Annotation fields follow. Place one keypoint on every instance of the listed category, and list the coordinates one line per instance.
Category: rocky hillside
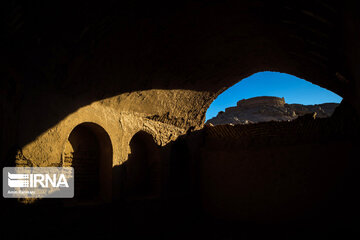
(263, 109)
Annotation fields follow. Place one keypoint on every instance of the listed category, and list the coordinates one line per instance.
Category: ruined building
(119, 90)
(264, 109)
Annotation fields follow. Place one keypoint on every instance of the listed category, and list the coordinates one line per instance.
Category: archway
(143, 172)
(271, 96)
(274, 162)
(89, 151)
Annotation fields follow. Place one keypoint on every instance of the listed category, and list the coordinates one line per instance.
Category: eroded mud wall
(277, 170)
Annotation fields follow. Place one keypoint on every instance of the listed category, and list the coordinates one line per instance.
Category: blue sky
(293, 89)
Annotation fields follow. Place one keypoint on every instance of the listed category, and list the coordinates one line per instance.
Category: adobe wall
(121, 116)
(120, 119)
(277, 170)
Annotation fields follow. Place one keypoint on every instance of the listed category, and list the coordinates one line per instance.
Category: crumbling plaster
(121, 117)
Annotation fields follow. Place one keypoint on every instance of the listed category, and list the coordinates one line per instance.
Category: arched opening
(293, 167)
(89, 151)
(271, 96)
(142, 167)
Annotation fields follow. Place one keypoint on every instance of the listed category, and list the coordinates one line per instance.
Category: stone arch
(142, 167)
(89, 150)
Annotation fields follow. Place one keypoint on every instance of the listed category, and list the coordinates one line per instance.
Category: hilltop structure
(264, 109)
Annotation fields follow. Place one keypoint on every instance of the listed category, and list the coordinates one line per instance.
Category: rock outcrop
(264, 109)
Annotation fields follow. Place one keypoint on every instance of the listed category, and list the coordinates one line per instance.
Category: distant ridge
(268, 108)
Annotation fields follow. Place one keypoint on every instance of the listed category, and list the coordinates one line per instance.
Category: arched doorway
(89, 151)
(143, 170)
